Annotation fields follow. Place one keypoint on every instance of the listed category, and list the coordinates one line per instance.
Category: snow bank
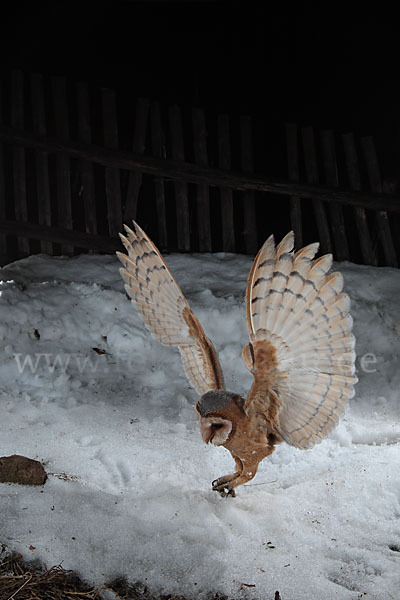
(85, 389)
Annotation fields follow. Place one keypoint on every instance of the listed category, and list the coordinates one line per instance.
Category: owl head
(218, 412)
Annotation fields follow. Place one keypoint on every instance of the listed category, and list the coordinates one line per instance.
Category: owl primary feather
(300, 353)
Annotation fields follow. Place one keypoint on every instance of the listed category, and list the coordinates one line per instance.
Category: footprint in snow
(118, 473)
(353, 573)
(88, 440)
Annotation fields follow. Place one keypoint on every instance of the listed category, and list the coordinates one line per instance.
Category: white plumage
(294, 303)
(165, 310)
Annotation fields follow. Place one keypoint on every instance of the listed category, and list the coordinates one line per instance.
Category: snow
(129, 491)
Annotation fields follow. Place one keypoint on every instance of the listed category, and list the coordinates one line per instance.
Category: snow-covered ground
(129, 491)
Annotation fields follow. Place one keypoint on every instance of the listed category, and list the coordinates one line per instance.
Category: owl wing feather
(165, 310)
(301, 349)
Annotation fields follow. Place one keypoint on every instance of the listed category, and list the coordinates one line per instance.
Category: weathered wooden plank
(19, 165)
(335, 210)
(247, 164)
(203, 190)
(3, 213)
(112, 175)
(294, 175)
(224, 159)
(139, 146)
(375, 182)
(181, 189)
(310, 159)
(353, 170)
(183, 171)
(41, 158)
(63, 162)
(159, 188)
(65, 237)
(85, 166)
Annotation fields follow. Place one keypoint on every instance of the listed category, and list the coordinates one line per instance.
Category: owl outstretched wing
(301, 349)
(165, 311)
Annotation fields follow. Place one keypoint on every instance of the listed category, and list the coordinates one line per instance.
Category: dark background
(326, 64)
(330, 66)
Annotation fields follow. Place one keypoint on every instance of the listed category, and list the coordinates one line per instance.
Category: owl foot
(224, 479)
(225, 490)
(224, 485)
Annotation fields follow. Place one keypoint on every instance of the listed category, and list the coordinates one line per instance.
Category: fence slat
(294, 175)
(335, 210)
(353, 171)
(19, 165)
(310, 158)
(3, 214)
(139, 144)
(250, 223)
(41, 158)
(79, 239)
(203, 190)
(224, 158)
(85, 166)
(189, 172)
(181, 189)
(112, 175)
(159, 188)
(382, 221)
(63, 162)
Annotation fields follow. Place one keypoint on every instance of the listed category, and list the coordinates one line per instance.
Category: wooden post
(113, 182)
(85, 166)
(353, 170)
(159, 188)
(139, 145)
(335, 210)
(3, 213)
(19, 166)
(181, 188)
(375, 182)
(247, 164)
(310, 158)
(42, 159)
(203, 190)
(294, 175)
(224, 157)
(63, 162)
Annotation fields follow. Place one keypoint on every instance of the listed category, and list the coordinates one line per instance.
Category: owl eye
(216, 426)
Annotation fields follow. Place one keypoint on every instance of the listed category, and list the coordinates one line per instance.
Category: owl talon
(223, 487)
(226, 491)
(221, 481)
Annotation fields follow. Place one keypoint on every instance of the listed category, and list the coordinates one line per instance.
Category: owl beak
(207, 434)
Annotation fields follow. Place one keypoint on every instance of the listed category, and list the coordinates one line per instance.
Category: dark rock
(19, 469)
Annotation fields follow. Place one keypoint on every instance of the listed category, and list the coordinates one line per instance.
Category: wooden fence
(75, 165)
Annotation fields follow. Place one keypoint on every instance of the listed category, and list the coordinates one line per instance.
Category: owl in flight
(301, 350)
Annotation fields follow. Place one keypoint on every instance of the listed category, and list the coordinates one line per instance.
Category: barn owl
(300, 353)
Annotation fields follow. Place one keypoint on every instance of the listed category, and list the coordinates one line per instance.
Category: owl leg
(225, 482)
(249, 465)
